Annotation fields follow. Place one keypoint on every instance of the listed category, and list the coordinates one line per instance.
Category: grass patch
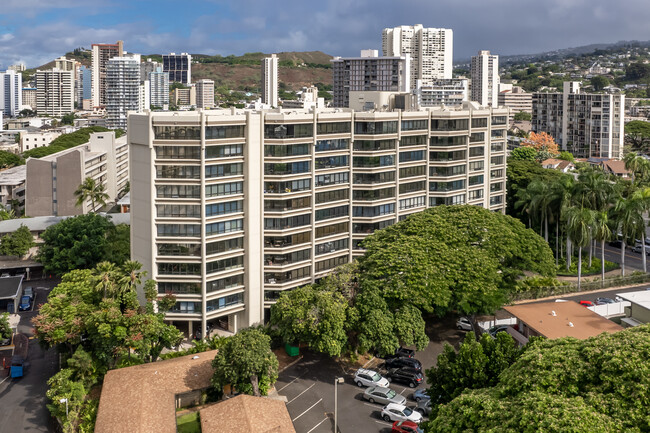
(586, 270)
(188, 423)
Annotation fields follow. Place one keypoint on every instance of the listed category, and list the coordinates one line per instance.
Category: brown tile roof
(615, 166)
(246, 414)
(551, 161)
(585, 322)
(141, 399)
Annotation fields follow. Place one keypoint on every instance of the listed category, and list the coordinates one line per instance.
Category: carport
(10, 291)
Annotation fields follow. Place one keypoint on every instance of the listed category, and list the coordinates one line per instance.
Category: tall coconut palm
(580, 222)
(602, 233)
(561, 193)
(130, 276)
(91, 189)
(524, 201)
(642, 197)
(628, 218)
(106, 273)
(541, 203)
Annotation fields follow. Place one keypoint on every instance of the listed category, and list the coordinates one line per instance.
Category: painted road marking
(314, 428)
(301, 393)
(384, 423)
(298, 377)
(310, 407)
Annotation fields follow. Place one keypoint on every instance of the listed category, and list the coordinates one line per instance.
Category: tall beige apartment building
(485, 78)
(431, 51)
(229, 208)
(205, 93)
(515, 98)
(101, 54)
(54, 92)
(270, 80)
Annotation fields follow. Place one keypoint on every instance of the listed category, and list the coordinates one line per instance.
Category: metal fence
(544, 291)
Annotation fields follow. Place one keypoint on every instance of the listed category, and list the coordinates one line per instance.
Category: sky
(37, 31)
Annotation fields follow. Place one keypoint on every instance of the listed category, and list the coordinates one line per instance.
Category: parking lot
(309, 388)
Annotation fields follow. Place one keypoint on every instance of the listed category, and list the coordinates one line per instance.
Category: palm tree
(131, 276)
(541, 203)
(561, 193)
(580, 222)
(642, 197)
(628, 218)
(602, 233)
(90, 189)
(524, 201)
(106, 273)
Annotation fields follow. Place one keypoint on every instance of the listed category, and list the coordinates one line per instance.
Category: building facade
(204, 93)
(448, 92)
(101, 54)
(430, 49)
(585, 124)
(368, 73)
(11, 93)
(270, 80)
(53, 179)
(159, 84)
(230, 208)
(179, 67)
(485, 79)
(29, 97)
(516, 99)
(55, 92)
(123, 93)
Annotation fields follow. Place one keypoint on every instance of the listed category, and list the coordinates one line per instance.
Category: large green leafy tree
(246, 361)
(637, 135)
(17, 243)
(524, 153)
(597, 385)
(8, 159)
(75, 243)
(519, 175)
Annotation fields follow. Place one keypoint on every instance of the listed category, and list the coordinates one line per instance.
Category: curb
(291, 364)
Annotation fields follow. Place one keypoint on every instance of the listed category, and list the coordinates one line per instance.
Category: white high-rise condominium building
(585, 124)
(55, 94)
(369, 72)
(485, 78)
(448, 92)
(101, 54)
(230, 208)
(11, 93)
(29, 97)
(204, 93)
(270, 80)
(159, 83)
(430, 49)
(123, 92)
(179, 67)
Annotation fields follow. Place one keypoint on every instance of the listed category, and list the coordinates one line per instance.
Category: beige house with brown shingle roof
(558, 164)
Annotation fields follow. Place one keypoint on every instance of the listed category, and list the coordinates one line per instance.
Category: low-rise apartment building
(52, 180)
(32, 140)
(12, 189)
(230, 208)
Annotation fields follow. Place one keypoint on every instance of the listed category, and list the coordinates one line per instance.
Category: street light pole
(336, 401)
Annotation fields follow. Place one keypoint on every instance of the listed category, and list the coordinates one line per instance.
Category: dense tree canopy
(566, 385)
(637, 135)
(17, 243)
(519, 175)
(524, 153)
(8, 159)
(523, 115)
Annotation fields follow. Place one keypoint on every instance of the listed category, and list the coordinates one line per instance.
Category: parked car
(399, 412)
(424, 407)
(464, 324)
(421, 394)
(25, 303)
(493, 331)
(404, 362)
(603, 301)
(364, 377)
(406, 375)
(29, 291)
(402, 352)
(586, 303)
(379, 394)
(406, 427)
(617, 243)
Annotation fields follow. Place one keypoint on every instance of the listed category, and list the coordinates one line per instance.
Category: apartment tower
(11, 94)
(270, 80)
(159, 84)
(430, 49)
(123, 90)
(101, 54)
(230, 208)
(55, 92)
(204, 93)
(485, 79)
(179, 67)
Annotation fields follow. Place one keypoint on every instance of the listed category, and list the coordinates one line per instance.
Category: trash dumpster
(17, 364)
(292, 350)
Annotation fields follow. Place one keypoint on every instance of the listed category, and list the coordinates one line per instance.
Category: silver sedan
(382, 395)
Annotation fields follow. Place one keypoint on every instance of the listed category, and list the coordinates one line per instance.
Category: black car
(402, 352)
(617, 243)
(406, 375)
(404, 362)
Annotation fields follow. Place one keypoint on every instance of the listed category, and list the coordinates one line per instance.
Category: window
(178, 210)
(476, 180)
(373, 145)
(447, 186)
(447, 171)
(224, 151)
(476, 165)
(406, 172)
(333, 128)
(494, 187)
(416, 140)
(496, 200)
(224, 189)
(284, 205)
(374, 161)
(328, 145)
(373, 194)
(332, 246)
(281, 150)
(476, 137)
(329, 196)
(480, 122)
(224, 283)
(374, 211)
(449, 124)
(178, 152)
(285, 277)
(333, 212)
(289, 131)
(224, 246)
(225, 302)
(224, 208)
(225, 131)
(499, 120)
(185, 230)
(178, 172)
(224, 227)
(224, 264)
(177, 132)
(332, 229)
(417, 155)
(179, 288)
(476, 151)
(179, 249)
(457, 140)
(235, 169)
(406, 188)
(287, 259)
(287, 223)
(186, 307)
(412, 125)
(447, 156)
(410, 203)
(373, 178)
(496, 173)
(371, 128)
(496, 147)
(178, 191)
(287, 187)
(332, 162)
(496, 160)
(280, 168)
(475, 194)
(179, 268)
(331, 263)
(454, 199)
(332, 178)
(371, 227)
(286, 241)
(498, 133)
